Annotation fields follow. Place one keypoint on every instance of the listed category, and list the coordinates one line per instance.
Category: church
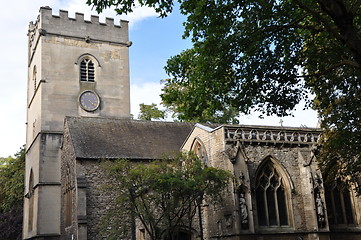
(78, 113)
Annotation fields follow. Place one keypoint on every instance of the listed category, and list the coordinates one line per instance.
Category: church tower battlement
(75, 68)
(78, 28)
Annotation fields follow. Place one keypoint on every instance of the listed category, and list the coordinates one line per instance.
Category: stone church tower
(75, 68)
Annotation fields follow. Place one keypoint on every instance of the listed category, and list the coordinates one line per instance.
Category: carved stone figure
(320, 211)
(243, 209)
(232, 152)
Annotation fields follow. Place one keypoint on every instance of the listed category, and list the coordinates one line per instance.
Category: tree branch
(330, 27)
(355, 6)
(342, 63)
(276, 28)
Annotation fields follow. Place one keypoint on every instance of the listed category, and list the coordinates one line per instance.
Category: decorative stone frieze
(269, 135)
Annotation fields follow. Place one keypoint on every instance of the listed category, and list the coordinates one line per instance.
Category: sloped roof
(107, 138)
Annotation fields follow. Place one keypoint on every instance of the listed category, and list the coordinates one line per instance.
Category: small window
(271, 198)
(34, 77)
(87, 72)
(339, 205)
(31, 201)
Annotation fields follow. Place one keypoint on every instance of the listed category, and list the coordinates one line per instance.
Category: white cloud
(139, 13)
(149, 93)
(301, 118)
(146, 93)
(14, 23)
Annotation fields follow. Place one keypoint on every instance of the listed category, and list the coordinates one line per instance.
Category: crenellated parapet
(91, 30)
(272, 135)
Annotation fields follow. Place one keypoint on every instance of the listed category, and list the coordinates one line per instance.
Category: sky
(154, 41)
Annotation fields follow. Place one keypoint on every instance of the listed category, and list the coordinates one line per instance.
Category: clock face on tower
(89, 101)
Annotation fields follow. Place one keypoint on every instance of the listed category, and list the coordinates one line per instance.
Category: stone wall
(68, 166)
(290, 151)
(90, 200)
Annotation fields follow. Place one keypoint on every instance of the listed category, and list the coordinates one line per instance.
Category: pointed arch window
(87, 71)
(199, 150)
(271, 197)
(339, 205)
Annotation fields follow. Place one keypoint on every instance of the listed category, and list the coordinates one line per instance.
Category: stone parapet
(93, 30)
(273, 135)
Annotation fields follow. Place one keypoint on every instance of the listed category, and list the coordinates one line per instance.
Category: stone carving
(219, 227)
(317, 182)
(232, 152)
(229, 220)
(243, 209)
(320, 211)
(264, 135)
(241, 179)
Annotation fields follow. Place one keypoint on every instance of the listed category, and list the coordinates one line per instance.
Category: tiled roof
(107, 138)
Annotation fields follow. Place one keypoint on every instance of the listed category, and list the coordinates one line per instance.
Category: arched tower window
(31, 201)
(87, 71)
(271, 197)
(339, 205)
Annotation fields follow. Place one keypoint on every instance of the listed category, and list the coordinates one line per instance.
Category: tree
(150, 112)
(188, 98)
(163, 195)
(11, 195)
(268, 56)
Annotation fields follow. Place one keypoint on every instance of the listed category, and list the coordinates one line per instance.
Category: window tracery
(339, 205)
(199, 150)
(87, 70)
(271, 197)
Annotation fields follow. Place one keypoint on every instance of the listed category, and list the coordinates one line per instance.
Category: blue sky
(154, 41)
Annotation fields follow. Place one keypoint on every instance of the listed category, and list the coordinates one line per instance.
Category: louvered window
(87, 73)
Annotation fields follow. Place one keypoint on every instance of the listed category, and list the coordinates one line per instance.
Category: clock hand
(92, 103)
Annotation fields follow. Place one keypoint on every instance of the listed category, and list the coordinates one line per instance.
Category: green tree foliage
(186, 93)
(12, 171)
(163, 195)
(268, 56)
(151, 112)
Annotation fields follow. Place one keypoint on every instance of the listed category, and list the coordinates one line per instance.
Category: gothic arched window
(199, 150)
(339, 205)
(87, 71)
(271, 197)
